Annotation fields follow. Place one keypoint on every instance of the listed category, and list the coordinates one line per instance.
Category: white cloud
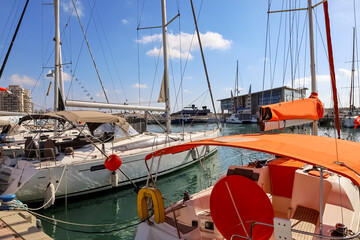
(66, 77)
(306, 81)
(124, 21)
(69, 8)
(323, 78)
(189, 42)
(186, 90)
(137, 85)
(22, 80)
(189, 77)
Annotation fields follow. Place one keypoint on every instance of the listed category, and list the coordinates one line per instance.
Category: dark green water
(119, 207)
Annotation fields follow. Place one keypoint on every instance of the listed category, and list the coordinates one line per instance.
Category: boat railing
(319, 236)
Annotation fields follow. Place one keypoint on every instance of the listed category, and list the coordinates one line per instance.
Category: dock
(19, 224)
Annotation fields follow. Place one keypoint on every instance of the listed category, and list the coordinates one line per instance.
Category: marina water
(112, 214)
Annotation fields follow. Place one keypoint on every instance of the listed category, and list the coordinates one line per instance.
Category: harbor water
(112, 214)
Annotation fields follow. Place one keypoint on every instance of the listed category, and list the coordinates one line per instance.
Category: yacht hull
(85, 172)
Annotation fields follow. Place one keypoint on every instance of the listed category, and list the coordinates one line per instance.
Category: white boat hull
(85, 173)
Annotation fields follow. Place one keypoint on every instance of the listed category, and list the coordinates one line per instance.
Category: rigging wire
(357, 48)
(138, 45)
(93, 60)
(272, 78)
(103, 52)
(188, 55)
(266, 46)
(11, 26)
(54, 222)
(156, 61)
(306, 44)
(112, 57)
(81, 48)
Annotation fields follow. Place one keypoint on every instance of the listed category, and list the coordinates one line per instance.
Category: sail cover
(337, 155)
(309, 108)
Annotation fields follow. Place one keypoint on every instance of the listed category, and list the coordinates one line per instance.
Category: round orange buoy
(112, 162)
(235, 203)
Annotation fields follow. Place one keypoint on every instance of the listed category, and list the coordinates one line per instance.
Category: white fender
(114, 179)
(49, 198)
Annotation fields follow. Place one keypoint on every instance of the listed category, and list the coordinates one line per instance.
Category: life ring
(158, 204)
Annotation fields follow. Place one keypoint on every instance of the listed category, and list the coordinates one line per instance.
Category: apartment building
(18, 100)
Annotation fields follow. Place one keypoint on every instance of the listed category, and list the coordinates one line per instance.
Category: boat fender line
(49, 198)
(114, 179)
(157, 202)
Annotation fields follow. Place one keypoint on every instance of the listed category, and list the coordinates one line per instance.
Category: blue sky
(230, 30)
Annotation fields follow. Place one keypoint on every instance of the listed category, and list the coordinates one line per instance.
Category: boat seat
(304, 219)
(244, 172)
(75, 143)
(30, 148)
(49, 149)
(184, 229)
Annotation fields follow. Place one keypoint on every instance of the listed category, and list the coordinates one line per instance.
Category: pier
(19, 224)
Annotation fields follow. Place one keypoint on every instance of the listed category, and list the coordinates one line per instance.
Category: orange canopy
(339, 156)
(309, 108)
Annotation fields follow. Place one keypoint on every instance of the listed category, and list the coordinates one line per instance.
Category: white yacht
(75, 165)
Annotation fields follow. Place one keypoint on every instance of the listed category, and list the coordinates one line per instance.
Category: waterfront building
(18, 100)
(270, 96)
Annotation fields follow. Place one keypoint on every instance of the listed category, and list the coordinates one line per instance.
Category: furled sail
(299, 111)
(162, 91)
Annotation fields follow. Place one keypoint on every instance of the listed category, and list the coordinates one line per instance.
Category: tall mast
(166, 69)
(237, 86)
(57, 51)
(58, 81)
(312, 59)
(352, 91)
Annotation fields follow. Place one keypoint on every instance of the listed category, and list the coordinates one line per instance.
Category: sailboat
(62, 167)
(307, 189)
(301, 192)
(351, 116)
(243, 116)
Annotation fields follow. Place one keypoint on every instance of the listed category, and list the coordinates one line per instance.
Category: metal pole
(166, 69)
(312, 59)
(203, 59)
(321, 199)
(13, 40)
(352, 89)
(57, 59)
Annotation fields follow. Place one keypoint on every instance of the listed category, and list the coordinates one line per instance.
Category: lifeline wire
(49, 220)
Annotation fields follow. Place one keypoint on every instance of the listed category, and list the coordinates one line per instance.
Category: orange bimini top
(337, 155)
(308, 108)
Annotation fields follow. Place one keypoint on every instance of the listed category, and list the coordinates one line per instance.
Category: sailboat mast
(352, 91)
(312, 59)
(237, 86)
(57, 55)
(166, 69)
